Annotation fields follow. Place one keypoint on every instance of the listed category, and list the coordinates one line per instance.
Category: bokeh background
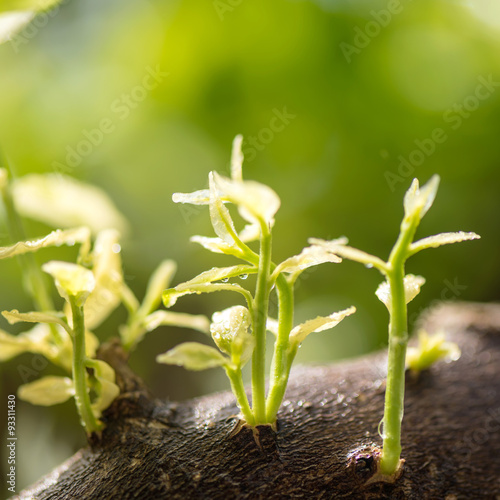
(341, 104)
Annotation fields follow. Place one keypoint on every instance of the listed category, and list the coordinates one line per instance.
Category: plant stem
(282, 357)
(398, 340)
(82, 398)
(238, 388)
(260, 313)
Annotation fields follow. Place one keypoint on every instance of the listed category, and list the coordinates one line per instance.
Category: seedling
(92, 289)
(395, 292)
(239, 332)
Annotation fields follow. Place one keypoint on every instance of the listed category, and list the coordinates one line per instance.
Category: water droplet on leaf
(243, 276)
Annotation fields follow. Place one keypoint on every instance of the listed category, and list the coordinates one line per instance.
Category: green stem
(398, 340)
(394, 393)
(260, 312)
(238, 388)
(82, 398)
(283, 355)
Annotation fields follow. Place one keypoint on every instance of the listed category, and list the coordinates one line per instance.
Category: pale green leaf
(300, 332)
(203, 283)
(108, 274)
(13, 345)
(251, 232)
(168, 318)
(71, 280)
(230, 331)
(412, 286)
(62, 201)
(339, 247)
(219, 273)
(309, 257)
(159, 280)
(429, 350)
(201, 197)
(38, 340)
(440, 239)
(13, 22)
(256, 202)
(220, 217)
(418, 200)
(193, 356)
(15, 316)
(47, 391)
(215, 245)
(171, 295)
(103, 384)
(56, 238)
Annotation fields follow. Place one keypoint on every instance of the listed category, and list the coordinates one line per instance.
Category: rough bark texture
(325, 439)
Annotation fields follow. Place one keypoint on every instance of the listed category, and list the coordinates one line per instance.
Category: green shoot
(239, 332)
(395, 293)
(429, 350)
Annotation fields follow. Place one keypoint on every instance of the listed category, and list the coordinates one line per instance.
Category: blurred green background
(341, 104)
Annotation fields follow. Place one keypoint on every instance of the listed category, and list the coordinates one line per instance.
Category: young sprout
(395, 293)
(240, 332)
(429, 350)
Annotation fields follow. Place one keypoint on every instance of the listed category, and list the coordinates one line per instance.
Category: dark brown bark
(326, 435)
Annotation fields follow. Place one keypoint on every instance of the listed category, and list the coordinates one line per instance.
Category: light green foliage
(240, 332)
(395, 293)
(429, 350)
(92, 288)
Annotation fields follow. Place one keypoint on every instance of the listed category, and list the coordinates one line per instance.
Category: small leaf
(13, 22)
(339, 247)
(256, 202)
(201, 197)
(199, 283)
(104, 385)
(15, 316)
(251, 232)
(412, 286)
(418, 200)
(429, 350)
(71, 280)
(440, 239)
(171, 295)
(159, 318)
(215, 245)
(193, 356)
(37, 340)
(159, 280)
(62, 201)
(309, 257)
(220, 217)
(108, 274)
(56, 238)
(229, 329)
(47, 391)
(300, 332)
